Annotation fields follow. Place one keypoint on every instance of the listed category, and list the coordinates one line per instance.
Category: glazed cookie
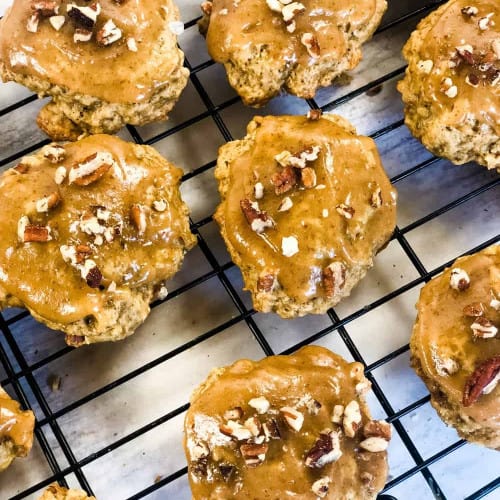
(104, 64)
(452, 85)
(90, 232)
(16, 430)
(285, 427)
(455, 345)
(271, 45)
(56, 492)
(306, 205)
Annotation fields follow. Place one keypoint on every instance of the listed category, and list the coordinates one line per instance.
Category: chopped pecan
(226, 471)
(132, 44)
(253, 425)
(352, 418)
(261, 404)
(376, 198)
(108, 34)
(374, 444)
(485, 22)
(480, 378)
(266, 283)
(36, 233)
(75, 340)
(235, 430)
(465, 52)
(82, 253)
(308, 177)
(470, 11)
(321, 486)
(378, 428)
(293, 418)
(289, 246)
(459, 279)
(45, 8)
(285, 205)
(474, 309)
(84, 17)
(313, 407)
(285, 180)
(55, 153)
(334, 278)
(310, 42)
(483, 328)
(91, 169)
(81, 35)
(206, 8)
(57, 22)
(338, 414)
(472, 80)
(234, 413)
(345, 210)
(258, 219)
(32, 23)
(21, 168)
(290, 10)
(93, 277)
(326, 450)
(138, 218)
(48, 202)
(258, 190)
(271, 429)
(314, 115)
(251, 450)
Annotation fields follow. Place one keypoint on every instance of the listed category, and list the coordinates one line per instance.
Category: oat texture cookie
(103, 63)
(16, 430)
(271, 45)
(90, 232)
(56, 492)
(455, 345)
(292, 426)
(451, 89)
(306, 204)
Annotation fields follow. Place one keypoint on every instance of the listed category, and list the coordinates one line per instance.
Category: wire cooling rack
(109, 417)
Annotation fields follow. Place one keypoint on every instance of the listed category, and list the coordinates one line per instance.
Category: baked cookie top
(456, 334)
(304, 201)
(16, 428)
(113, 50)
(84, 223)
(285, 427)
(56, 492)
(293, 34)
(457, 66)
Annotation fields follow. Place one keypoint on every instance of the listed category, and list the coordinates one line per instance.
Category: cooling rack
(109, 417)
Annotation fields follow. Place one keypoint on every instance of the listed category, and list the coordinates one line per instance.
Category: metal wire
(23, 371)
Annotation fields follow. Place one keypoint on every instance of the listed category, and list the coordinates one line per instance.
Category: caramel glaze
(348, 167)
(16, 425)
(312, 372)
(253, 23)
(452, 30)
(113, 73)
(36, 274)
(443, 331)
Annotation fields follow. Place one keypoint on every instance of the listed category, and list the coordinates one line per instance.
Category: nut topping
(258, 190)
(285, 205)
(326, 450)
(261, 404)
(55, 153)
(483, 328)
(474, 309)
(291, 10)
(91, 169)
(374, 444)
(345, 210)
(160, 205)
(334, 278)
(91, 274)
(48, 202)
(314, 115)
(310, 42)
(352, 419)
(132, 44)
(378, 428)
(271, 429)
(338, 414)
(28, 232)
(258, 219)
(266, 283)
(235, 430)
(32, 23)
(81, 35)
(289, 246)
(481, 377)
(21, 168)
(469, 11)
(285, 180)
(376, 198)
(253, 425)
(108, 34)
(253, 451)
(176, 27)
(293, 418)
(57, 22)
(84, 17)
(313, 407)
(459, 279)
(138, 218)
(321, 487)
(206, 8)
(308, 177)
(233, 414)
(45, 8)
(425, 66)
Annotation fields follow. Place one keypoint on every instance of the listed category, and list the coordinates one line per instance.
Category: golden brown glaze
(253, 23)
(313, 374)
(348, 171)
(113, 73)
(452, 30)
(443, 333)
(36, 274)
(16, 426)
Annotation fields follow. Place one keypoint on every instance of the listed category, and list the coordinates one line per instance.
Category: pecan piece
(271, 429)
(261, 404)
(459, 279)
(321, 487)
(108, 34)
(285, 180)
(36, 233)
(234, 413)
(21, 168)
(326, 450)
(484, 374)
(266, 282)
(314, 115)
(473, 310)
(310, 42)
(48, 202)
(293, 418)
(308, 177)
(352, 418)
(483, 328)
(334, 278)
(91, 169)
(252, 450)
(345, 210)
(378, 428)
(258, 219)
(138, 218)
(82, 253)
(470, 11)
(93, 277)
(45, 8)
(226, 471)
(84, 17)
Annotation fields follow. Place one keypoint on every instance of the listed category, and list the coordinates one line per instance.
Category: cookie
(292, 426)
(306, 204)
(274, 45)
(451, 89)
(16, 430)
(90, 232)
(104, 64)
(455, 345)
(56, 492)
